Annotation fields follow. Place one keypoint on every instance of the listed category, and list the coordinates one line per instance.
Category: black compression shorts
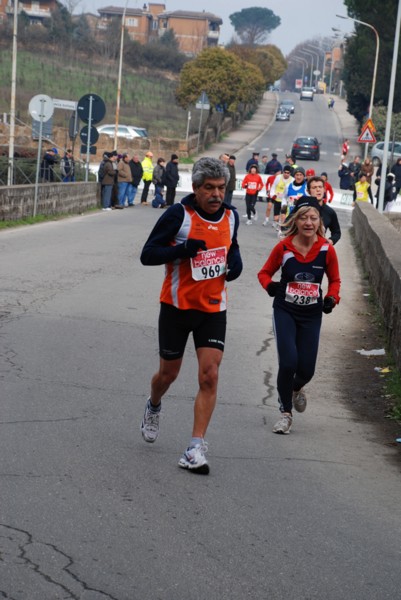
(175, 325)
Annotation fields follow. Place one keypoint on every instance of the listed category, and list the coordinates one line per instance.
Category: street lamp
(304, 62)
(10, 173)
(120, 68)
(372, 94)
(311, 65)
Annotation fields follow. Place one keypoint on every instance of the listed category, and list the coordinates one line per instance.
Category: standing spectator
(136, 177)
(108, 179)
(147, 176)
(123, 179)
(368, 169)
(263, 164)
(232, 181)
(345, 177)
(273, 166)
(345, 147)
(390, 191)
(396, 169)
(328, 189)
(362, 190)
(302, 257)
(198, 304)
(47, 165)
(172, 178)
(254, 160)
(252, 183)
(224, 157)
(355, 168)
(67, 167)
(158, 179)
(290, 162)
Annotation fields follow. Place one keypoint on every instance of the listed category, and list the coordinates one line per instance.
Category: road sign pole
(88, 143)
(35, 201)
(200, 129)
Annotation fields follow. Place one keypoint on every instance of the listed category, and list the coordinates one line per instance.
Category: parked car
(283, 114)
(124, 131)
(305, 147)
(287, 103)
(307, 93)
(378, 149)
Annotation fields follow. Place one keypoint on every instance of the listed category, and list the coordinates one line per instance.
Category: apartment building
(36, 10)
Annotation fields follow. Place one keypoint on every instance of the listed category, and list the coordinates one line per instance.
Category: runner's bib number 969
(209, 264)
(302, 293)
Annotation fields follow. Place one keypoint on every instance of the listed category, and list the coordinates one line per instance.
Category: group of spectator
(67, 166)
(120, 176)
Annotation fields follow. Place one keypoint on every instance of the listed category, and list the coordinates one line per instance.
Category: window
(155, 25)
(131, 22)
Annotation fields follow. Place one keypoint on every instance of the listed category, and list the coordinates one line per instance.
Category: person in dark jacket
(273, 166)
(47, 165)
(136, 172)
(232, 181)
(67, 166)
(109, 179)
(172, 178)
(316, 189)
(158, 178)
(345, 176)
(396, 169)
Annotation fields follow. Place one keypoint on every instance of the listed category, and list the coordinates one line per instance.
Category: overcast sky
(300, 19)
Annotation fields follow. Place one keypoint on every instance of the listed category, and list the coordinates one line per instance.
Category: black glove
(273, 288)
(328, 304)
(191, 247)
(234, 264)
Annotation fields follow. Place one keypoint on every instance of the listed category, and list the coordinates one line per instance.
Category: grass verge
(41, 219)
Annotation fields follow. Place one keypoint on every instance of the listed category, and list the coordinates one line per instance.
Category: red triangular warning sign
(367, 137)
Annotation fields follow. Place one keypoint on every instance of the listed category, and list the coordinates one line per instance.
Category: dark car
(289, 104)
(282, 114)
(305, 147)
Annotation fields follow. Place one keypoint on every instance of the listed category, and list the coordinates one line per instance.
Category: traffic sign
(367, 137)
(92, 133)
(41, 108)
(92, 150)
(96, 108)
(369, 125)
(203, 102)
(64, 104)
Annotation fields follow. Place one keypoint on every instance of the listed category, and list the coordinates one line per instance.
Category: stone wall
(17, 202)
(380, 245)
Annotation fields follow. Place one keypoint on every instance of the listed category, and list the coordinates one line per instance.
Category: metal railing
(24, 171)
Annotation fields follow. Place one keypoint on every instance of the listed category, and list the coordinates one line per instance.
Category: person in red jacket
(252, 183)
(328, 190)
(303, 256)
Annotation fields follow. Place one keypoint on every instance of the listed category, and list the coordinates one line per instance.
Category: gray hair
(209, 168)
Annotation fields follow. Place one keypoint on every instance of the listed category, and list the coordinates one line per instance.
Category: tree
(254, 24)
(268, 58)
(229, 82)
(360, 50)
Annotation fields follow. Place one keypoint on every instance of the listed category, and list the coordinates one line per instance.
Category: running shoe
(150, 424)
(265, 222)
(245, 216)
(283, 425)
(194, 459)
(255, 216)
(299, 400)
(248, 222)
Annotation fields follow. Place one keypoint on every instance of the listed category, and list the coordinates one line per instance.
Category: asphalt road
(309, 119)
(89, 511)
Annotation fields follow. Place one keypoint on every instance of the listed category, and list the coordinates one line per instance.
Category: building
(194, 31)
(36, 10)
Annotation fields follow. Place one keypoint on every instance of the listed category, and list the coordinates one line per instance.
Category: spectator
(355, 168)
(136, 177)
(273, 166)
(253, 161)
(171, 179)
(396, 169)
(108, 179)
(67, 167)
(147, 176)
(232, 181)
(158, 179)
(344, 174)
(368, 169)
(47, 165)
(123, 179)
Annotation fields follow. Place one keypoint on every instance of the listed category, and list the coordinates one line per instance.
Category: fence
(25, 171)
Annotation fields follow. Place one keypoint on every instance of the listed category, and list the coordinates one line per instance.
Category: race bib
(302, 293)
(209, 264)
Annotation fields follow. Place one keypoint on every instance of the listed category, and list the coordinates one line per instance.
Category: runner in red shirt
(252, 183)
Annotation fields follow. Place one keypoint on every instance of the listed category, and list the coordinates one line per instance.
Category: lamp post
(372, 93)
(10, 173)
(390, 106)
(323, 50)
(120, 68)
(311, 54)
(300, 61)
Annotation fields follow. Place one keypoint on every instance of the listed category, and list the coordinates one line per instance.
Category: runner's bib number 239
(302, 293)
(209, 264)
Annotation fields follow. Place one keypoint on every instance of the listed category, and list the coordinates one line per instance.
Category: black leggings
(250, 204)
(297, 339)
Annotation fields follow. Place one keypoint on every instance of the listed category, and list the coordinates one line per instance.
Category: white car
(307, 93)
(393, 153)
(124, 131)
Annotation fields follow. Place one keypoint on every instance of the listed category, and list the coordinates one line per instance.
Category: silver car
(124, 131)
(307, 93)
(394, 153)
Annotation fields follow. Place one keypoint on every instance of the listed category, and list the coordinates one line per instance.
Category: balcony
(213, 35)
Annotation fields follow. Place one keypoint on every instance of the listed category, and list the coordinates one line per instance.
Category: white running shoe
(265, 222)
(194, 459)
(150, 424)
(255, 216)
(245, 216)
(283, 425)
(274, 224)
(248, 222)
(299, 400)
